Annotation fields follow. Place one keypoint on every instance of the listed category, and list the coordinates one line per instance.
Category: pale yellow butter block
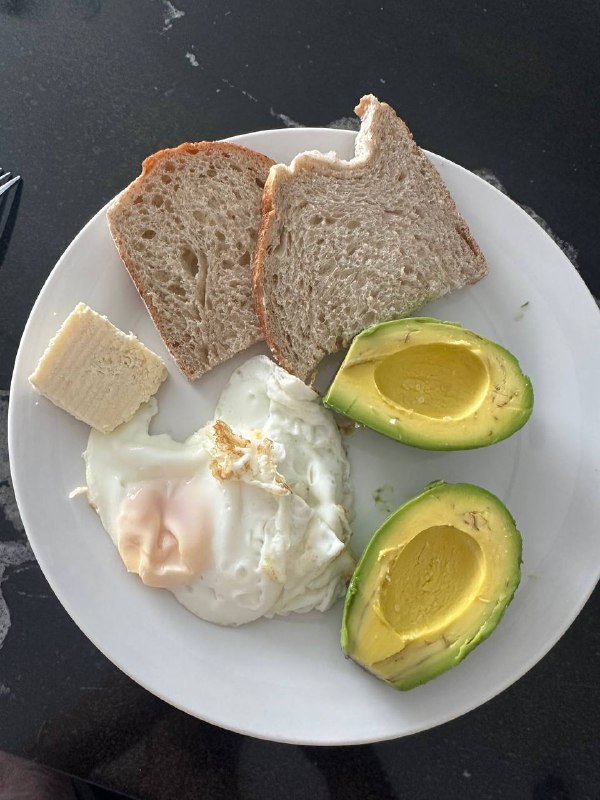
(96, 372)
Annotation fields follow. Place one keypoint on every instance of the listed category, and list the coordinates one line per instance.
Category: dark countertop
(88, 88)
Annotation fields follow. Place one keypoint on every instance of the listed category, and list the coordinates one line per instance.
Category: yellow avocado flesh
(432, 384)
(433, 582)
(430, 580)
(434, 380)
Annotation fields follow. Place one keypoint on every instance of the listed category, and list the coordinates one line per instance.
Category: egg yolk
(164, 532)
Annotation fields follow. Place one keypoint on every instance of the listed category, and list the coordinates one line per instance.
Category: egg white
(272, 521)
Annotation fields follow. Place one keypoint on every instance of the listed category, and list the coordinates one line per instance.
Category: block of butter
(96, 372)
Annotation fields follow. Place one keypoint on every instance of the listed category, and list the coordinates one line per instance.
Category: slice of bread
(346, 244)
(186, 230)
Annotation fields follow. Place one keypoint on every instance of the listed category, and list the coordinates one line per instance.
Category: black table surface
(88, 88)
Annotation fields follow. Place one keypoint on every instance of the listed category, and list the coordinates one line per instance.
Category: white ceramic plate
(286, 679)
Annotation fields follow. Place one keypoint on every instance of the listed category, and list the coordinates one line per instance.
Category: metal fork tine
(4, 175)
(9, 204)
(4, 187)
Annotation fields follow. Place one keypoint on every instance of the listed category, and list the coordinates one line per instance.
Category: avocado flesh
(432, 384)
(433, 582)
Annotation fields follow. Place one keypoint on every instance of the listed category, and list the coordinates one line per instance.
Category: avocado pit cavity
(434, 380)
(431, 580)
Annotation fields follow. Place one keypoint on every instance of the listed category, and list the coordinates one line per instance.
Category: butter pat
(96, 372)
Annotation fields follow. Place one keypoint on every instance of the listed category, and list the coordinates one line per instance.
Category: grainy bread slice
(186, 230)
(346, 244)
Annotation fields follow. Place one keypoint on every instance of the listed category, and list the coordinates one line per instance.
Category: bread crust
(264, 238)
(192, 149)
(148, 166)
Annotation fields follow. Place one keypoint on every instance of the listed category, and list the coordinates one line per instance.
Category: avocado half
(432, 384)
(433, 582)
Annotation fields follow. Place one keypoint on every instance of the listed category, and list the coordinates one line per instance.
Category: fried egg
(246, 518)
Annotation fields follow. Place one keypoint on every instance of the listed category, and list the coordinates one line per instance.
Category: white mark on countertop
(345, 124)
(4, 690)
(195, 63)
(17, 553)
(466, 773)
(12, 554)
(568, 249)
(287, 121)
(381, 80)
(36, 596)
(489, 177)
(238, 89)
(8, 504)
(171, 14)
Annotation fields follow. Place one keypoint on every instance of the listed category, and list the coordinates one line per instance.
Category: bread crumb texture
(97, 373)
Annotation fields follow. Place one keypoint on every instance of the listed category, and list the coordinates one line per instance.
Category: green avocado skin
(367, 408)
(427, 669)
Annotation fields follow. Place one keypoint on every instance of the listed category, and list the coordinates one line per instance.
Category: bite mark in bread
(346, 244)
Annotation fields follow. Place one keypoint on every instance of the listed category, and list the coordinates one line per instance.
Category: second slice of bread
(346, 244)
(186, 230)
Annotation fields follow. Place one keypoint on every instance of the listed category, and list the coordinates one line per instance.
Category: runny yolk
(164, 532)
(431, 580)
(434, 380)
